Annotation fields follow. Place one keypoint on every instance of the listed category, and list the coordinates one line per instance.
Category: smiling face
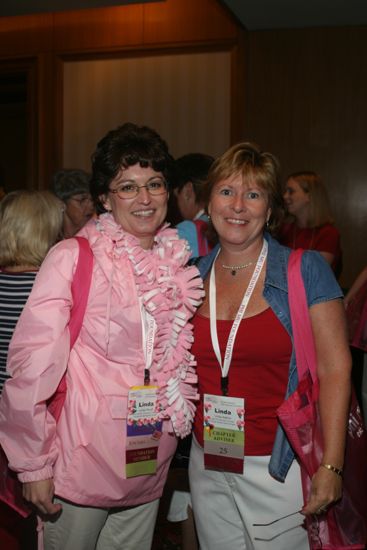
(296, 199)
(239, 211)
(144, 214)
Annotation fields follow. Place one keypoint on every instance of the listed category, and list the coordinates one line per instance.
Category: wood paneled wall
(177, 94)
(307, 103)
(48, 41)
(300, 94)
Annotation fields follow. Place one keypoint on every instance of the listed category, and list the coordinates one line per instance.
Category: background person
(81, 470)
(73, 188)
(30, 223)
(190, 173)
(310, 225)
(256, 366)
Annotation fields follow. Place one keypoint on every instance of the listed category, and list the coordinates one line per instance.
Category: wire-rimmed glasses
(130, 190)
(312, 523)
(82, 200)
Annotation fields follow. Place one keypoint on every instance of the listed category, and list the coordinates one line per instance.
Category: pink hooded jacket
(85, 451)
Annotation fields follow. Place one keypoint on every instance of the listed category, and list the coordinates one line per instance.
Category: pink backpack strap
(80, 291)
(201, 226)
(80, 288)
(301, 323)
(10, 488)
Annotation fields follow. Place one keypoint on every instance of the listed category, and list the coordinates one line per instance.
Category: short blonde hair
(312, 184)
(248, 160)
(30, 223)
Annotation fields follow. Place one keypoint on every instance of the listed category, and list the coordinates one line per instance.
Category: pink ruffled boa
(170, 292)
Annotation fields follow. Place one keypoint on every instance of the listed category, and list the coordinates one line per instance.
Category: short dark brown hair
(126, 146)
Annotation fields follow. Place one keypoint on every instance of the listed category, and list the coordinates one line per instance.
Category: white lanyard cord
(225, 365)
(148, 330)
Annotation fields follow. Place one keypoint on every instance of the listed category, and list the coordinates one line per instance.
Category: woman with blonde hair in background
(310, 224)
(30, 223)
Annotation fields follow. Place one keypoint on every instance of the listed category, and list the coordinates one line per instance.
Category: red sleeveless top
(258, 372)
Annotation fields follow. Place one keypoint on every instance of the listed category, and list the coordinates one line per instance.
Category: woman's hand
(326, 488)
(40, 494)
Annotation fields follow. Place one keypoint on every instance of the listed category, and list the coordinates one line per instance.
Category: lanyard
(224, 366)
(148, 331)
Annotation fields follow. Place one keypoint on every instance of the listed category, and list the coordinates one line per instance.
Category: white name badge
(143, 431)
(224, 433)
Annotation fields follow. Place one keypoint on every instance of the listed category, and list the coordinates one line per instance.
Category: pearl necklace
(235, 268)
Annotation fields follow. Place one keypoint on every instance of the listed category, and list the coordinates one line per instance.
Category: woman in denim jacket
(257, 364)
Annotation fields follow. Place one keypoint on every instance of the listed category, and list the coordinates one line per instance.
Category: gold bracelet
(332, 468)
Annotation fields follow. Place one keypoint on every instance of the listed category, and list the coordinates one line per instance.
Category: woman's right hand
(40, 494)
(326, 489)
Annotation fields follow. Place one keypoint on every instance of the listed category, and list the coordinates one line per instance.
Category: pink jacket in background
(85, 451)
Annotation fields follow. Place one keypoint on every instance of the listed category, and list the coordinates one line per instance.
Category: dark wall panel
(41, 44)
(306, 102)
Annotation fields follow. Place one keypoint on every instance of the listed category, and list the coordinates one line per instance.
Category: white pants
(179, 504)
(84, 528)
(227, 505)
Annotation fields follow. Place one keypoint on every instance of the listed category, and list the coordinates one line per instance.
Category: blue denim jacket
(320, 285)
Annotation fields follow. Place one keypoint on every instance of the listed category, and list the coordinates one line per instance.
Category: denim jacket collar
(276, 272)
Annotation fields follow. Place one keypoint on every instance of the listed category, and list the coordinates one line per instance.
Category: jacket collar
(277, 264)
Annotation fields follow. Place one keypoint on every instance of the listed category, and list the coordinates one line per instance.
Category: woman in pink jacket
(98, 472)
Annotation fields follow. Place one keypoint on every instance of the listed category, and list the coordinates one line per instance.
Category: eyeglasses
(314, 528)
(83, 201)
(131, 190)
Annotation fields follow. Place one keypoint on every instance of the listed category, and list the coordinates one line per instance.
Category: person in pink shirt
(98, 472)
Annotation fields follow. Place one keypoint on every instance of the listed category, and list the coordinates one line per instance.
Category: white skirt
(226, 506)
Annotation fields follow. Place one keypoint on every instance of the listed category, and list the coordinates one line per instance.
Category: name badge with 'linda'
(144, 431)
(224, 433)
